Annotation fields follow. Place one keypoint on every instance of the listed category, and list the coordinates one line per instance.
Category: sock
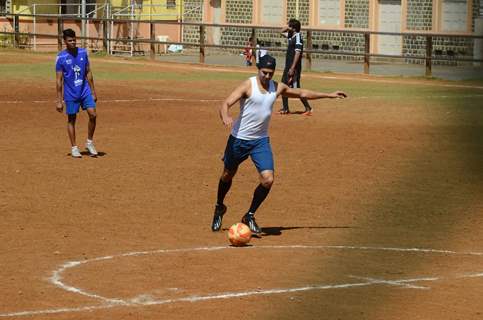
(285, 103)
(306, 104)
(89, 141)
(258, 196)
(223, 188)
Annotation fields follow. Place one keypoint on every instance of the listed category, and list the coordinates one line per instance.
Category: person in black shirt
(293, 63)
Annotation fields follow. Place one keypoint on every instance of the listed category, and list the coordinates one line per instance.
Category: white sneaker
(90, 147)
(76, 152)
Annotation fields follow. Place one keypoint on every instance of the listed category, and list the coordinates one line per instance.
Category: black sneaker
(220, 210)
(249, 220)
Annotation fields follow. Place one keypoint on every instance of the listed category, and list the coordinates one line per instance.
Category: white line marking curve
(107, 303)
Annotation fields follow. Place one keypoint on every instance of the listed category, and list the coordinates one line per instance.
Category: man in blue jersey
(249, 135)
(73, 73)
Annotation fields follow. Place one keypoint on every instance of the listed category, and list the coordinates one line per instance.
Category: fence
(146, 41)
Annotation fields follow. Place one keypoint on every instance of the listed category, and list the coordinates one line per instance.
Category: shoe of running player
(220, 210)
(249, 220)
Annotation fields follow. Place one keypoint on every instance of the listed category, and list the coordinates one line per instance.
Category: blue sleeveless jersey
(74, 69)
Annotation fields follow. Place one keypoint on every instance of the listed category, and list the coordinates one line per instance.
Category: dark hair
(294, 24)
(68, 33)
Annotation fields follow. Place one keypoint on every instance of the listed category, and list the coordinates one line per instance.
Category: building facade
(462, 17)
(458, 17)
(142, 9)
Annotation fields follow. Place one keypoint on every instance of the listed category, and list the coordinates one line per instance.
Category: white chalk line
(400, 283)
(107, 303)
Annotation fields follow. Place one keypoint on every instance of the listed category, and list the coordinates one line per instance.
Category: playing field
(376, 211)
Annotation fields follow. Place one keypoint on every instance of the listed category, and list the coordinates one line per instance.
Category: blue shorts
(238, 150)
(72, 107)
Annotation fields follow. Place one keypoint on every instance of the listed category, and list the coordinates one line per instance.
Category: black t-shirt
(294, 44)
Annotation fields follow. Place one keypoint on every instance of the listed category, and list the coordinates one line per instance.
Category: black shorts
(295, 80)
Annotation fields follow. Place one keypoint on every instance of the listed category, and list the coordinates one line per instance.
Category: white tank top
(255, 113)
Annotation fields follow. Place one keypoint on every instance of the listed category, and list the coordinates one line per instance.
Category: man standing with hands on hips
(73, 73)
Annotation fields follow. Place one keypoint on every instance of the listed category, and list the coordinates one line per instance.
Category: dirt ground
(376, 211)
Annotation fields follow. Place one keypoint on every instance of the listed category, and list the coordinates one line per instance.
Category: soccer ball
(239, 234)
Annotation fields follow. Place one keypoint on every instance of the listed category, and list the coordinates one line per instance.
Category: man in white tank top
(249, 135)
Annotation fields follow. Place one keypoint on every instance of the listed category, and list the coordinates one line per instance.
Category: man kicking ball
(249, 135)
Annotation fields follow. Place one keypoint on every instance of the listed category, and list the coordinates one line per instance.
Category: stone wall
(273, 38)
(419, 18)
(304, 11)
(476, 12)
(193, 12)
(451, 48)
(357, 14)
(241, 12)
(333, 45)
(420, 15)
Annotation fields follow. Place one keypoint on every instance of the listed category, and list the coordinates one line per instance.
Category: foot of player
(247, 219)
(75, 152)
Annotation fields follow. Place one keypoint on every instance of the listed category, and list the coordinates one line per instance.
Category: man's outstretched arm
(288, 92)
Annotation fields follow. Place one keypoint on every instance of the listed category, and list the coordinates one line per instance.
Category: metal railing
(429, 57)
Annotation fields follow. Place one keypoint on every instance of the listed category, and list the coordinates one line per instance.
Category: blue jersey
(74, 69)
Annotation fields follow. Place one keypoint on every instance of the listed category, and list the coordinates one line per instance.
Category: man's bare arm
(242, 91)
(59, 77)
(90, 80)
(284, 31)
(288, 92)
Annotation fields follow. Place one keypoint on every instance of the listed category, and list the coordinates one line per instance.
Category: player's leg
(234, 155)
(91, 128)
(305, 102)
(89, 105)
(262, 157)
(259, 195)
(224, 185)
(285, 109)
(71, 119)
(71, 109)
